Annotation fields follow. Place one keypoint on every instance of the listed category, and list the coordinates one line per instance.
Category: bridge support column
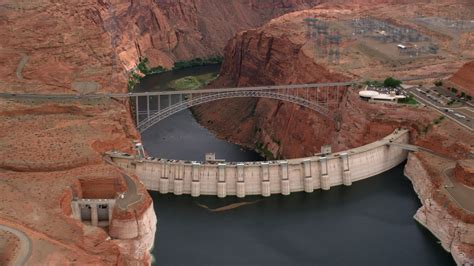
(94, 214)
(325, 181)
(221, 189)
(195, 188)
(266, 191)
(285, 182)
(264, 175)
(346, 178)
(178, 183)
(240, 181)
(76, 210)
(164, 185)
(346, 173)
(178, 186)
(110, 209)
(308, 179)
(195, 184)
(240, 189)
(221, 184)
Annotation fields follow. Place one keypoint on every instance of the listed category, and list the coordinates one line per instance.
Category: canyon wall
(279, 53)
(447, 221)
(52, 149)
(166, 31)
(463, 79)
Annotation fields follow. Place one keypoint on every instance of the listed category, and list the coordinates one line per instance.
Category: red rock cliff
(167, 30)
(279, 53)
(464, 78)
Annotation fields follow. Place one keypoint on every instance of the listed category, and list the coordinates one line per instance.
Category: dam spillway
(266, 178)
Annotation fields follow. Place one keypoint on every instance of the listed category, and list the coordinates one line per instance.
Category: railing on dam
(266, 178)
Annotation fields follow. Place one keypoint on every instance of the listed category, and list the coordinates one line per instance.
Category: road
(461, 193)
(125, 95)
(131, 196)
(422, 98)
(24, 252)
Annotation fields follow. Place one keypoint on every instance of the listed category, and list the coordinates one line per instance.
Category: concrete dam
(271, 177)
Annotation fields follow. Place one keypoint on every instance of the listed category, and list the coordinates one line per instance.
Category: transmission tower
(334, 47)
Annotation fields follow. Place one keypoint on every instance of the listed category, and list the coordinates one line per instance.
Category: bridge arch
(320, 107)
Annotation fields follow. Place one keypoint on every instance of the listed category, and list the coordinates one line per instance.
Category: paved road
(124, 95)
(131, 196)
(461, 193)
(24, 252)
(422, 98)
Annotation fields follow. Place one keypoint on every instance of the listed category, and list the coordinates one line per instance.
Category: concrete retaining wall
(265, 178)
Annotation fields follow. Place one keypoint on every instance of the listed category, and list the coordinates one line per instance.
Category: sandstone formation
(464, 172)
(279, 53)
(9, 245)
(51, 150)
(464, 78)
(166, 31)
(450, 224)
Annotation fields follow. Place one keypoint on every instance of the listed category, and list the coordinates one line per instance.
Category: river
(369, 223)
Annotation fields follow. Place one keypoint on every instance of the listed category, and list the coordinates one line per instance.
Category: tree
(438, 83)
(392, 83)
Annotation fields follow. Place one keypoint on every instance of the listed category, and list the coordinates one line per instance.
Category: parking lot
(439, 98)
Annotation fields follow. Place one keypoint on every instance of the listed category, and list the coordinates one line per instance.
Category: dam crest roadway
(321, 171)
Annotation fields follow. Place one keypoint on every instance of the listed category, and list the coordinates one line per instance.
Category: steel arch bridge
(151, 108)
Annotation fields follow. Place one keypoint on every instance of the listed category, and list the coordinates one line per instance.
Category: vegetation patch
(438, 120)
(198, 62)
(262, 150)
(192, 82)
(140, 70)
(374, 83)
(392, 83)
(408, 100)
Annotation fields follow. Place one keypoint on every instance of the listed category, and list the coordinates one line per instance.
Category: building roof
(368, 94)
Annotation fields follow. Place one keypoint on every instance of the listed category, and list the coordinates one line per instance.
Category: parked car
(459, 115)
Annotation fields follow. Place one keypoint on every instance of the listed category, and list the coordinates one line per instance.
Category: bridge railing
(311, 100)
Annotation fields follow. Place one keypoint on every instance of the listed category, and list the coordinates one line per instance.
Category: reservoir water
(369, 223)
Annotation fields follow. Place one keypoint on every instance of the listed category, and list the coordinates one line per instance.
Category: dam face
(266, 178)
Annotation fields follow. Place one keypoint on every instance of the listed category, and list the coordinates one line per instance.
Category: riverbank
(447, 221)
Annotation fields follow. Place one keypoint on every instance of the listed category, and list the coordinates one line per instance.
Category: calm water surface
(369, 223)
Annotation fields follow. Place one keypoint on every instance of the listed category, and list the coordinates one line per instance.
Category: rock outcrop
(464, 78)
(452, 226)
(166, 31)
(48, 147)
(279, 53)
(464, 172)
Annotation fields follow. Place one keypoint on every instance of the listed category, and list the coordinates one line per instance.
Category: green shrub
(141, 70)
(407, 100)
(198, 62)
(438, 120)
(391, 82)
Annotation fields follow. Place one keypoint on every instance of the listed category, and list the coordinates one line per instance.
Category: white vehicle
(459, 115)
